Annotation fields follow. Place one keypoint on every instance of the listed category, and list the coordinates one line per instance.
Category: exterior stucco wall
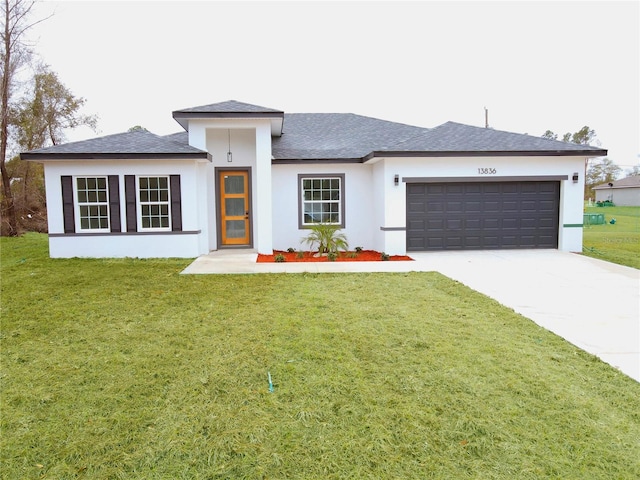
(376, 206)
(394, 197)
(624, 197)
(359, 208)
(249, 141)
(191, 242)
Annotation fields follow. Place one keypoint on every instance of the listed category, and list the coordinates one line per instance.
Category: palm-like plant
(327, 237)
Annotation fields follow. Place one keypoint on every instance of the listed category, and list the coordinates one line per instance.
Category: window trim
(301, 201)
(78, 205)
(140, 203)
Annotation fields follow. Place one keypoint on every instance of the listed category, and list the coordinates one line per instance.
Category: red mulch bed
(362, 256)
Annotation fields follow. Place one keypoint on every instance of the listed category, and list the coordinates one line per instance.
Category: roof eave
(307, 161)
(36, 157)
(277, 118)
(488, 153)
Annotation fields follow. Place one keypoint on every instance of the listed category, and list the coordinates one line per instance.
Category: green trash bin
(593, 219)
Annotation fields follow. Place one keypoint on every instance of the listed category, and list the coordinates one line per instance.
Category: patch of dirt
(362, 256)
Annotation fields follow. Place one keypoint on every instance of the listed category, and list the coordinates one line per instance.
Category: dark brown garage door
(478, 216)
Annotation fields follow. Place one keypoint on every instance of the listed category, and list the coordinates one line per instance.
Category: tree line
(598, 171)
(36, 109)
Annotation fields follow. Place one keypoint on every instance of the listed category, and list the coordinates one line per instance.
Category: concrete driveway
(593, 304)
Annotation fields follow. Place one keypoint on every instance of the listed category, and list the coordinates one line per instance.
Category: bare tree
(40, 119)
(13, 55)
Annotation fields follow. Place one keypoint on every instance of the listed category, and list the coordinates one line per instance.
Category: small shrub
(352, 254)
(300, 254)
(327, 236)
(384, 257)
(280, 258)
(331, 256)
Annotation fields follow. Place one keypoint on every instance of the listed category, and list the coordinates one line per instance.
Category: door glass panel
(234, 207)
(235, 228)
(234, 183)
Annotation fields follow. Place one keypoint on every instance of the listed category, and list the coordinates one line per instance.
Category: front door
(234, 207)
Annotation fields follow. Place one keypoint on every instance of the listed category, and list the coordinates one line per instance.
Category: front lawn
(126, 369)
(617, 242)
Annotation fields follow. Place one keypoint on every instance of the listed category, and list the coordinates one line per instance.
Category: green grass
(124, 369)
(617, 243)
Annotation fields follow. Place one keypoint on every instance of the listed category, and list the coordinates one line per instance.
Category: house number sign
(487, 171)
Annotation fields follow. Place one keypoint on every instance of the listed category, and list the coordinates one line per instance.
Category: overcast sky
(535, 65)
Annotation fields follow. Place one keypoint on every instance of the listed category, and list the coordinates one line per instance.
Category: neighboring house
(244, 176)
(624, 192)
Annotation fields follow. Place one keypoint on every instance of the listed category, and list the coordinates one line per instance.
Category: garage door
(477, 216)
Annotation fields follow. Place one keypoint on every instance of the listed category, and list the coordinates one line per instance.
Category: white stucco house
(624, 192)
(245, 176)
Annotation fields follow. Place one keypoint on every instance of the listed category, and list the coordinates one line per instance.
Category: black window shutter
(67, 204)
(176, 204)
(114, 203)
(130, 199)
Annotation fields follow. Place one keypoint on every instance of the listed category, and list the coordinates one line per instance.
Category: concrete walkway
(593, 304)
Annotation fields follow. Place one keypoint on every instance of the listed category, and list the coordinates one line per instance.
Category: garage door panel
(511, 223)
(490, 205)
(530, 223)
(416, 207)
(510, 206)
(435, 189)
(415, 189)
(473, 223)
(488, 215)
(453, 243)
(548, 223)
(548, 241)
(417, 224)
(491, 223)
(473, 206)
(490, 188)
(473, 242)
(490, 241)
(529, 205)
(454, 188)
(434, 207)
(509, 241)
(455, 206)
(454, 224)
(507, 188)
(547, 205)
(435, 224)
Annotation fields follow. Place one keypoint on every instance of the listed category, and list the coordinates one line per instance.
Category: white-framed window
(154, 203)
(92, 204)
(321, 199)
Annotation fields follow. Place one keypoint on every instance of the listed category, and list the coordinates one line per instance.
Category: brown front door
(234, 207)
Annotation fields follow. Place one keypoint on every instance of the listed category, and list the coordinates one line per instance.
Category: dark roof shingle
(137, 144)
(452, 137)
(331, 136)
(326, 137)
(632, 181)
(230, 106)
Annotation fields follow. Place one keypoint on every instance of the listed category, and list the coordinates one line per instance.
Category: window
(154, 202)
(321, 199)
(92, 200)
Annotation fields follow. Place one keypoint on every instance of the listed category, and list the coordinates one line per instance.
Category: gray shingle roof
(627, 182)
(336, 137)
(136, 144)
(230, 106)
(452, 137)
(332, 136)
(230, 109)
